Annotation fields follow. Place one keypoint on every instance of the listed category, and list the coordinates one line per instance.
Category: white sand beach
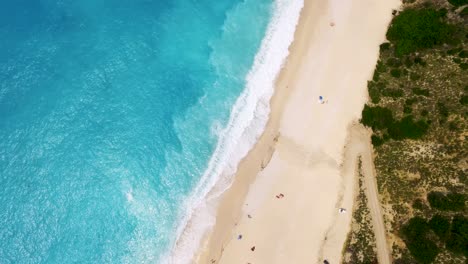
(285, 198)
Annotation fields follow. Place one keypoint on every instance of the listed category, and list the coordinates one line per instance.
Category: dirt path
(358, 145)
(370, 183)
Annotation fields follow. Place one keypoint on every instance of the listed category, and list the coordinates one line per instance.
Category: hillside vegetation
(417, 111)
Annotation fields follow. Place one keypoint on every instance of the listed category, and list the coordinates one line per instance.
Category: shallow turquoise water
(109, 114)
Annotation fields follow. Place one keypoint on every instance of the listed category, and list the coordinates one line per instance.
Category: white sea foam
(247, 121)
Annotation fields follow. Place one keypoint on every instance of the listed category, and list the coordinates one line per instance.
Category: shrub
(464, 100)
(458, 239)
(407, 109)
(410, 101)
(458, 3)
(376, 117)
(443, 110)
(424, 112)
(418, 204)
(449, 202)
(414, 76)
(376, 76)
(463, 54)
(395, 73)
(415, 29)
(374, 92)
(441, 226)
(420, 61)
(415, 236)
(457, 60)
(376, 140)
(464, 12)
(407, 128)
(419, 91)
(394, 62)
(453, 126)
(463, 66)
(408, 62)
(381, 67)
(384, 46)
(453, 51)
(394, 93)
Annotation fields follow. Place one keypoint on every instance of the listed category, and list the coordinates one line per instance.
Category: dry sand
(300, 154)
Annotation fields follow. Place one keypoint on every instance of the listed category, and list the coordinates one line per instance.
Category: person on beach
(321, 100)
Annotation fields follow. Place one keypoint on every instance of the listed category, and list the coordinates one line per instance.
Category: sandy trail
(370, 184)
(359, 146)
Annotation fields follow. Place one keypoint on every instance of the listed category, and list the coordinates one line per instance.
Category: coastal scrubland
(360, 245)
(417, 110)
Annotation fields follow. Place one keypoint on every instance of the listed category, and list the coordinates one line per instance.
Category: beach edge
(231, 207)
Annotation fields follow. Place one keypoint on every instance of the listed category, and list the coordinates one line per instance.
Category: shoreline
(293, 145)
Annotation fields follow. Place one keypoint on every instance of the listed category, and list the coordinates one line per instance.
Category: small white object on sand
(320, 100)
(342, 210)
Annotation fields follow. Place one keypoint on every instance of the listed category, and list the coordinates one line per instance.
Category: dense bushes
(380, 118)
(458, 239)
(394, 62)
(458, 3)
(441, 226)
(384, 46)
(413, 30)
(377, 117)
(463, 54)
(464, 12)
(407, 128)
(415, 235)
(422, 244)
(395, 73)
(464, 100)
(449, 202)
(376, 140)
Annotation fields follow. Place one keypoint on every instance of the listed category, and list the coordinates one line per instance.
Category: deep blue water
(108, 118)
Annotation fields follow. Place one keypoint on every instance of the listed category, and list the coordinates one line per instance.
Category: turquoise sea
(119, 118)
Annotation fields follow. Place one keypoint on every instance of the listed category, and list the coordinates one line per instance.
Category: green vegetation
(376, 140)
(394, 62)
(458, 2)
(458, 240)
(379, 118)
(449, 202)
(417, 111)
(360, 245)
(421, 247)
(415, 29)
(384, 46)
(463, 54)
(464, 12)
(453, 51)
(419, 91)
(464, 100)
(395, 73)
(441, 226)
(407, 128)
(420, 61)
(393, 93)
